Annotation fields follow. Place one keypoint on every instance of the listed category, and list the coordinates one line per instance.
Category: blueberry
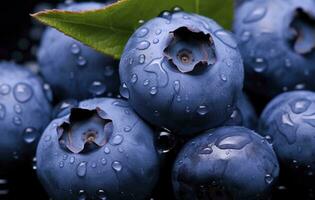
(24, 112)
(100, 150)
(182, 71)
(289, 122)
(74, 70)
(227, 163)
(277, 44)
(247, 112)
(64, 107)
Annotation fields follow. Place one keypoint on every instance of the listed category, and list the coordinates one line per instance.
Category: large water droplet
(124, 91)
(142, 32)
(143, 45)
(233, 142)
(117, 139)
(81, 169)
(22, 92)
(116, 165)
(300, 106)
(5, 89)
(166, 15)
(202, 110)
(75, 49)
(97, 88)
(255, 15)
(166, 141)
(30, 135)
(2, 111)
(226, 38)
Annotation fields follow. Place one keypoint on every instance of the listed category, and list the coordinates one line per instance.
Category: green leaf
(108, 29)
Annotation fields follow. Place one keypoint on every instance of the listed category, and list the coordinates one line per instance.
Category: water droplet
(97, 88)
(260, 65)
(116, 165)
(245, 37)
(207, 150)
(186, 17)
(134, 78)
(146, 82)
(143, 45)
(288, 63)
(117, 139)
(22, 92)
(268, 179)
(109, 70)
(82, 195)
(101, 195)
(17, 109)
(166, 141)
(47, 138)
(233, 142)
(72, 159)
(124, 91)
(141, 59)
(166, 15)
(155, 41)
(187, 109)
(202, 110)
(223, 77)
(81, 61)
(300, 106)
(75, 49)
(17, 120)
(103, 161)
(61, 164)
(106, 150)
(226, 38)
(2, 111)
(81, 169)
(153, 90)
(48, 92)
(93, 165)
(127, 129)
(142, 32)
(141, 21)
(158, 31)
(300, 86)
(178, 98)
(5, 89)
(30, 135)
(255, 15)
(177, 9)
(176, 86)
(268, 138)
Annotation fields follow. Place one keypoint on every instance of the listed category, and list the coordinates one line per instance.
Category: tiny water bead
(141, 58)
(143, 32)
(202, 110)
(134, 78)
(143, 45)
(109, 70)
(255, 15)
(97, 88)
(5, 89)
(106, 150)
(75, 49)
(17, 120)
(81, 61)
(268, 179)
(17, 109)
(260, 65)
(153, 90)
(117, 139)
(2, 111)
(30, 135)
(124, 91)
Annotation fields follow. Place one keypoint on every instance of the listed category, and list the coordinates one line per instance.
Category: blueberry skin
(226, 163)
(126, 166)
(277, 47)
(74, 70)
(247, 111)
(24, 112)
(289, 121)
(185, 98)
